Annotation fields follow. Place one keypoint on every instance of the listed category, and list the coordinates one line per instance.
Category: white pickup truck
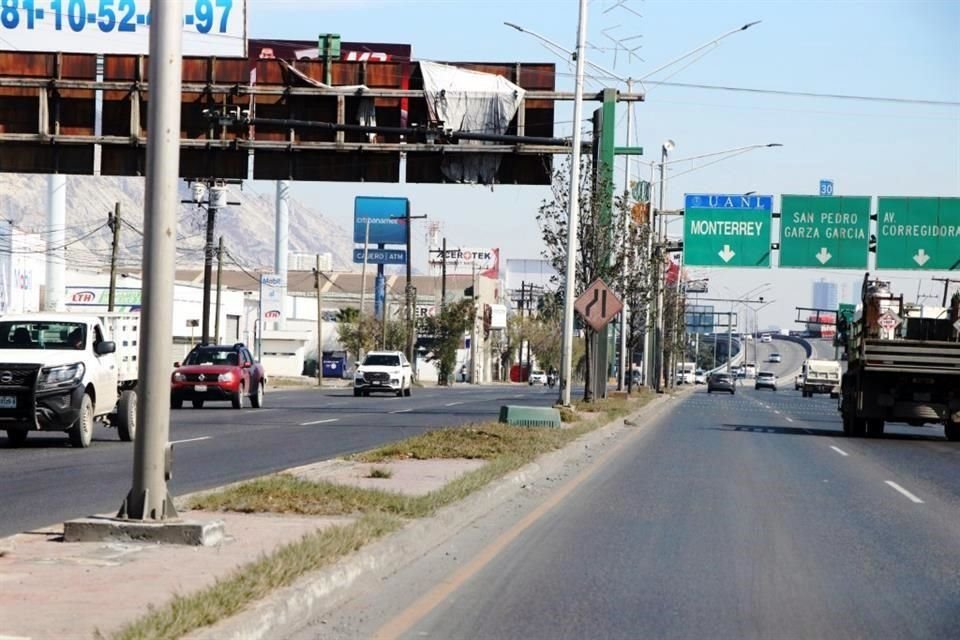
(65, 371)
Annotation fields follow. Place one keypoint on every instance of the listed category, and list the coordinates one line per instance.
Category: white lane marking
(452, 404)
(519, 395)
(192, 440)
(402, 411)
(914, 499)
(307, 424)
(840, 451)
(776, 411)
(788, 418)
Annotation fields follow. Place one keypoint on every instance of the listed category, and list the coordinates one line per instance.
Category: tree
(600, 253)
(446, 330)
(357, 333)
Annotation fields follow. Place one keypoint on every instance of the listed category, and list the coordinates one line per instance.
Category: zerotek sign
(828, 232)
(727, 230)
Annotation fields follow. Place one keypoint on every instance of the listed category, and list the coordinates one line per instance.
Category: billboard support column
(56, 224)
(282, 240)
(149, 498)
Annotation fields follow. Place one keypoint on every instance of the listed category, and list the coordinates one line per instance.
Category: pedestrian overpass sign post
(828, 232)
(918, 233)
(726, 230)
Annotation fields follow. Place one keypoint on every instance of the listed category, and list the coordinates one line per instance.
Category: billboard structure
(467, 260)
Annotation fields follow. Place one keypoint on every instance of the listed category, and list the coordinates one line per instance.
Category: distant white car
(383, 371)
(700, 377)
(765, 380)
(775, 357)
(537, 377)
(766, 338)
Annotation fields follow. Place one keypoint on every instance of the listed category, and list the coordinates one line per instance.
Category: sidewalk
(52, 589)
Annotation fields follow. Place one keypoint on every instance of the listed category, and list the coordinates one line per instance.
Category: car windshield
(766, 375)
(42, 335)
(538, 373)
(214, 356)
(381, 360)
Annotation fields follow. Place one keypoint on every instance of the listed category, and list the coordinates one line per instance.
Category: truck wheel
(237, 398)
(951, 430)
(356, 393)
(127, 415)
(197, 404)
(874, 427)
(81, 433)
(409, 390)
(256, 399)
(176, 403)
(17, 437)
(858, 427)
(847, 425)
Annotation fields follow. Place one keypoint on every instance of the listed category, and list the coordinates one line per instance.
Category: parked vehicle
(65, 372)
(537, 377)
(721, 382)
(903, 364)
(212, 373)
(775, 357)
(765, 380)
(700, 377)
(384, 371)
(821, 376)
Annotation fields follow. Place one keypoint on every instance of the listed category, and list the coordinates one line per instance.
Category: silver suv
(383, 371)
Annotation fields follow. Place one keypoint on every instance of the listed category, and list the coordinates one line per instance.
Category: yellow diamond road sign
(598, 305)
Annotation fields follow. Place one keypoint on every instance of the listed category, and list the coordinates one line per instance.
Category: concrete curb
(285, 611)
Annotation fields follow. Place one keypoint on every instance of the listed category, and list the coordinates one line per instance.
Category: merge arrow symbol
(921, 257)
(824, 255)
(727, 254)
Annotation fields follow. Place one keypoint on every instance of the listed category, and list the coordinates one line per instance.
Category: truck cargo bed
(910, 356)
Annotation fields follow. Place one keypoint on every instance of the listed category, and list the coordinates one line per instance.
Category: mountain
(247, 229)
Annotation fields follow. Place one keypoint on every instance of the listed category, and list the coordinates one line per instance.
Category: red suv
(218, 372)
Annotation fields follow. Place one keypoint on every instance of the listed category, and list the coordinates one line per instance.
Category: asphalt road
(746, 516)
(47, 481)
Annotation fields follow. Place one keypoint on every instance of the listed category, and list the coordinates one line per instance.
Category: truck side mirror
(105, 347)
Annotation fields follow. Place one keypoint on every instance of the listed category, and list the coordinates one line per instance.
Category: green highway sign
(830, 232)
(918, 233)
(726, 230)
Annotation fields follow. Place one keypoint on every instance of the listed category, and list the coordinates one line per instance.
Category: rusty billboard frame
(48, 119)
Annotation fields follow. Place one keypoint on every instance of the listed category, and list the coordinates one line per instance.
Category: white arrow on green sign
(830, 232)
(726, 230)
(918, 233)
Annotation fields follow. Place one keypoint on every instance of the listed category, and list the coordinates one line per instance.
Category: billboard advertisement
(210, 27)
(272, 296)
(384, 216)
(464, 260)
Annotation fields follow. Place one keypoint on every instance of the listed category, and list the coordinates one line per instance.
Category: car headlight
(179, 377)
(225, 377)
(55, 376)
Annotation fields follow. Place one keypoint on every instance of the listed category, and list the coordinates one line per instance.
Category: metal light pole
(573, 214)
(149, 498)
(626, 360)
(659, 372)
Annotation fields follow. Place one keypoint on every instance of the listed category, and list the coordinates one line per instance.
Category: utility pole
(626, 360)
(523, 328)
(113, 221)
(443, 275)
(658, 279)
(946, 287)
(316, 283)
(409, 289)
(216, 323)
(208, 251)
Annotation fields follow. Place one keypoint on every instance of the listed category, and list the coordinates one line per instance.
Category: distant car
(766, 338)
(218, 373)
(775, 357)
(721, 382)
(765, 380)
(699, 377)
(750, 370)
(537, 377)
(383, 371)
(798, 383)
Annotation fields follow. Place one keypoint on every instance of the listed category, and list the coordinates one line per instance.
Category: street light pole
(626, 360)
(658, 284)
(573, 214)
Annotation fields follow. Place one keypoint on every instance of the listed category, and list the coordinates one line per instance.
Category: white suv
(381, 371)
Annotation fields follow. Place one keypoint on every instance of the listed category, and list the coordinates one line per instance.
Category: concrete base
(101, 529)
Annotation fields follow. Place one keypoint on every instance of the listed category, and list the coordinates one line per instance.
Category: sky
(891, 49)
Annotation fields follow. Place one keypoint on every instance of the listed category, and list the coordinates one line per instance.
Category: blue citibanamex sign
(384, 216)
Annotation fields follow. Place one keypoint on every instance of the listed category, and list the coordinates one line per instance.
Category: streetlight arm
(712, 43)
(569, 53)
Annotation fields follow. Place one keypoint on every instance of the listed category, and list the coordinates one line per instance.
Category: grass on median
(505, 449)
